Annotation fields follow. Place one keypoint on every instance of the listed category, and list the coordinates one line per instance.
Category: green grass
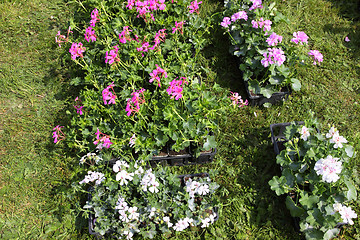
(33, 98)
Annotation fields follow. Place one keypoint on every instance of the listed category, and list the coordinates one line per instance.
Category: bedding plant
(317, 178)
(268, 61)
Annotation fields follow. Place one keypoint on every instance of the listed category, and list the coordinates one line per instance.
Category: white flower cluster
(90, 156)
(336, 138)
(93, 176)
(193, 187)
(329, 168)
(126, 213)
(346, 213)
(148, 182)
(122, 175)
(182, 224)
(206, 222)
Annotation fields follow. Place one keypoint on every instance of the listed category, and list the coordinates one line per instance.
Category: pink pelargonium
(328, 168)
(109, 95)
(237, 100)
(263, 24)
(239, 15)
(58, 135)
(90, 34)
(102, 140)
(77, 50)
(194, 6)
(94, 17)
(61, 38)
(274, 39)
(317, 56)
(157, 74)
(273, 56)
(112, 55)
(125, 35)
(77, 106)
(159, 37)
(225, 22)
(176, 87)
(256, 4)
(178, 27)
(133, 103)
(300, 37)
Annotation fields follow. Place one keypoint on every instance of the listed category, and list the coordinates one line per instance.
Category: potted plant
(126, 199)
(267, 60)
(317, 178)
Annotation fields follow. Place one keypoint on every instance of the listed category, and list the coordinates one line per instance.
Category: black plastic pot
(259, 100)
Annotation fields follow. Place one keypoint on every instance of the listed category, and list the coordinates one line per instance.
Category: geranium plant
(126, 199)
(267, 60)
(142, 87)
(317, 178)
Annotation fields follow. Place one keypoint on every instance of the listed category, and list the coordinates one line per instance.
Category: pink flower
(194, 6)
(178, 27)
(263, 24)
(94, 17)
(133, 104)
(111, 56)
(90, 34)
(125, 35)
(102, 140)
(300, 37)
(347, 39)
(144, 48)
(338, 140)
(159, 37)
(273, 56)
(77, 50)
(108, 95)
(256, 4)
(239, 15)
(157, 74)
(61, 38)
(237, 100)
(316, 55)
(58, 135)
(78, 107)
(226, 22)
(274, 39)
(175, 89)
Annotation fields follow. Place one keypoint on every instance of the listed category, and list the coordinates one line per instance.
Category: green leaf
(314, 235)
(295, 211)
(315, 217)
(331, 233)
(278, 185)
(254, 87)
(308, 201)
(267, 105)
(276, 79)
(351, 194)
(349, 151)
(210, 143)
(267, 91)
(295, 84)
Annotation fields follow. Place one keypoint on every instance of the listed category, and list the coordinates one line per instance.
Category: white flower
(167, 220)
(331, 132)
(338, 140)
(304, 133)
(329, 168)
(205, 222)
(347, 214)
(132, 140)
(93, 176)
(212, 217)
(118, 164)
(181, 225)
(123, 177)
(121, 204)
(337, 207)
(128, 234)
(203, 189)
(123, 217)
(152, 212)
(153, 187)
(133, 214)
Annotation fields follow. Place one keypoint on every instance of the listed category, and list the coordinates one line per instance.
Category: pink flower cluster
(194, 6)
(77, 50)
(94, 17)
(274, 39)
(176, 87)
(58, 135)
(109, 96)
(77, 106)
(102, 140)
(273, 56)
(125, 35)
(90, 34)
(256, 4)
(261, 23)
(61, 38)
(317, 56)
(178, 27)
(157, 74)
(159, 37)
(133, 104)
(237, 100)
(236, 16)
(300, 37)
(112, 55)
(146, 7)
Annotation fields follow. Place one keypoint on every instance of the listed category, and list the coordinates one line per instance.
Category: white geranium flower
(205, 222)
(203, 189)
(133, 214)
(123, 176)
(347, 214)
(128, 234)
(304, 133)
(119, 164)
(338, 140)
(167, 220)
(329, 168)
(331, 132)
(153, 187)
(181, 225)
(123, 216)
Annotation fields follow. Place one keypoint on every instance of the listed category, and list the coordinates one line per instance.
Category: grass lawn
(35, 93)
